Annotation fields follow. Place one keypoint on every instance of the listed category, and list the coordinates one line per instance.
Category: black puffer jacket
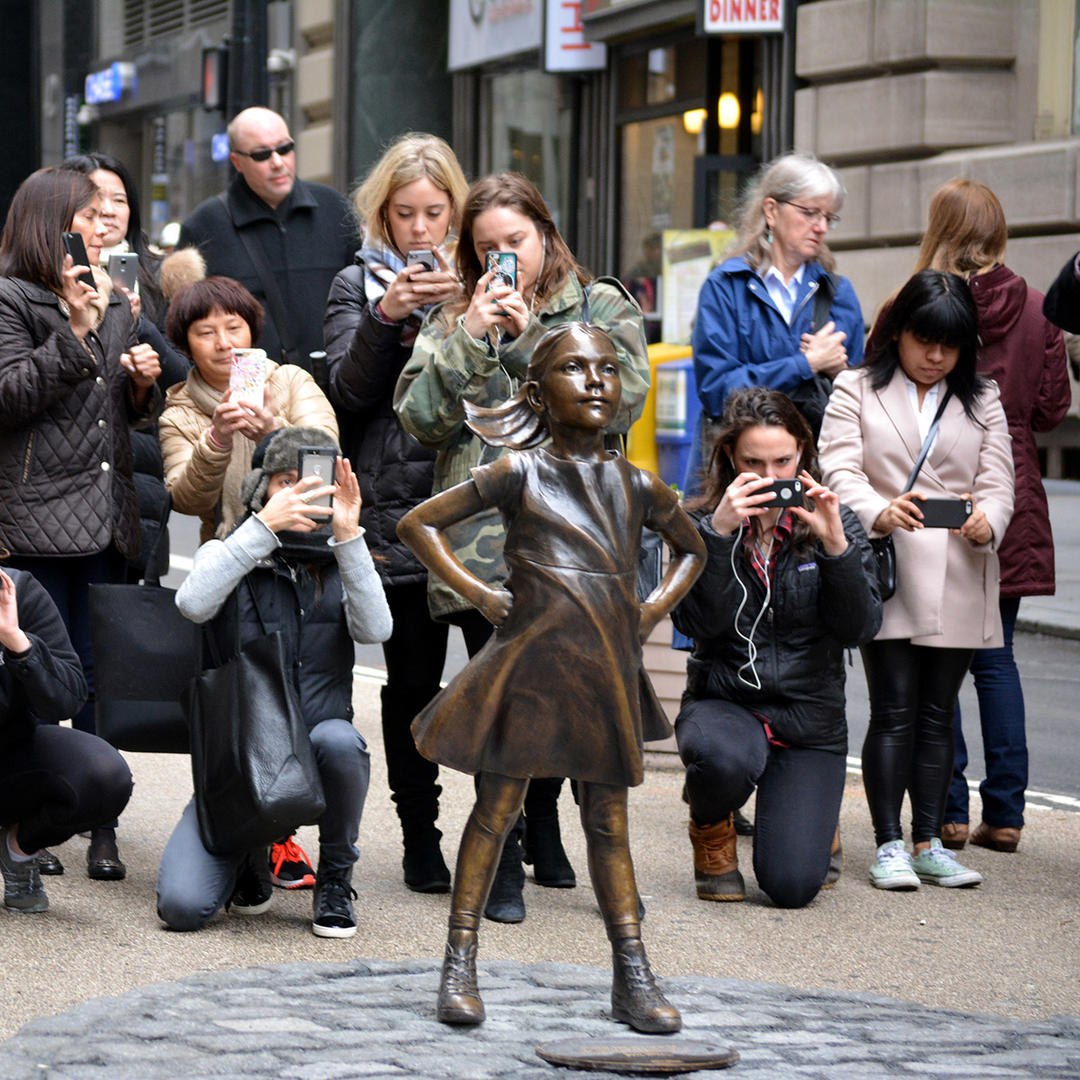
(820, 605)
(305, 604)
(364, 358)
(45, 684)
(65, 457)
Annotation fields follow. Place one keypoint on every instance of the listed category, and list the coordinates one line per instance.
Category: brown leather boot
(716, 864)
(459, 999)
(635, 998)
(996, 838)
(836, 861)
(954, 835)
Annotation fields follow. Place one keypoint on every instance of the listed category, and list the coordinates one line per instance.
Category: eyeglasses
(813, 215)
(264, 155)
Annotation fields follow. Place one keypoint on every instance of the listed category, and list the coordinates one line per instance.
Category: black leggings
(59, 782)
(909, 744)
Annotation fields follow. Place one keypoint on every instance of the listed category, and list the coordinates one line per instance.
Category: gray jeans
(193, 885)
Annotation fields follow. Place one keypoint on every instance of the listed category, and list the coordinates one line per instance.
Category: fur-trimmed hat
(278, 453)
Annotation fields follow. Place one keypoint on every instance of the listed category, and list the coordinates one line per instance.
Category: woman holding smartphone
(476, 347)
(946, 603)
(208, 437)
(72, 378)
(409, 204)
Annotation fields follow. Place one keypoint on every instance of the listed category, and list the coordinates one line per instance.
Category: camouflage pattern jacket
(448, 366)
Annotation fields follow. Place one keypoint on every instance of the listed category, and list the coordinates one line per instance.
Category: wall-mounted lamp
(758, 113)
(693, 120)
(728, 111)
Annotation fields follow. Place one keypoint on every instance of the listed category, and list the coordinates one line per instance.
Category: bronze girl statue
(559, 690)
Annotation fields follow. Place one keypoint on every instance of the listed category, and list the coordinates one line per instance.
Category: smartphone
(74, 246)
(124, 269)
(317, 461)
(425, 258)
(785, 493)
(248, 375)
(504, 263)
(945, 513)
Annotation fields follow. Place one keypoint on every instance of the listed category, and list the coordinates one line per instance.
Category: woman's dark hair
(939, 308)
(518, 193)
(200, 299)
(747, 408)
(149, 289)
(42, 210)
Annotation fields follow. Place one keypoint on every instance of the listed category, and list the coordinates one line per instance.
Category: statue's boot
(459, 999)
(635, 998)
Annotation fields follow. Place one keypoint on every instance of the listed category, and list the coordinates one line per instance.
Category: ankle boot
(716, 864)
(505, 903)
(424, 868)
(459, 999)
(544, 850)
(102, 857)
(635, 998)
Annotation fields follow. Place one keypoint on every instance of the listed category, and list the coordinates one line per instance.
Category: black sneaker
(333, 914)
(23, 890)
(252, 892)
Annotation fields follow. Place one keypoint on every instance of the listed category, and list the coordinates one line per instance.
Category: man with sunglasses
(282, 237)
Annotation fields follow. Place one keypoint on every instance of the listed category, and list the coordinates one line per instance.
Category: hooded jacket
(1025, 355)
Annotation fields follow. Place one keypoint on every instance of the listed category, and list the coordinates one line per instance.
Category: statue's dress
(559, 689)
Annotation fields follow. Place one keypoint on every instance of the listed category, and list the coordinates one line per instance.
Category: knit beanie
(278, 452)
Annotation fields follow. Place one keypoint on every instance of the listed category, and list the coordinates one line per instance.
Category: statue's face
(581, 388)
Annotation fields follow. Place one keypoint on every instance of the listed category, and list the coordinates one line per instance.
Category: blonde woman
(410, 202)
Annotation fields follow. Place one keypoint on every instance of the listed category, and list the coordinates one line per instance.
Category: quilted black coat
(364, 358)
(65, 457)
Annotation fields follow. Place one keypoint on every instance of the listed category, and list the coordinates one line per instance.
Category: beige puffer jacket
(204, 480)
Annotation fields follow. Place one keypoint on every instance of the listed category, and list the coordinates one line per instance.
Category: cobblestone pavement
(376, 1019)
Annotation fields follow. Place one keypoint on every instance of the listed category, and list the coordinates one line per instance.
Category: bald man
(271, 228)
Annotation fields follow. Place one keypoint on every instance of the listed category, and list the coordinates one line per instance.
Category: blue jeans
(193, 885)
(1001, 714)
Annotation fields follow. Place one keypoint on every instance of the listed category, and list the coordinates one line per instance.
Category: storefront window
(529, 131)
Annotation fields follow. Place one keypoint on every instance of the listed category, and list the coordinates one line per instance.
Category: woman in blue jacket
(773, 314)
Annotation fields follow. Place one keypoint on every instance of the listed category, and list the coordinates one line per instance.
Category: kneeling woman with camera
(918, 392)
(789, 583)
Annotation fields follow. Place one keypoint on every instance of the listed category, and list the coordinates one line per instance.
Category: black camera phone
(74, 246)
(785, 493)
(426, 259)
(944, 513)
(317, 461)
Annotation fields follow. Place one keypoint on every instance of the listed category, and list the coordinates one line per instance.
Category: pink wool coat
(947, 588)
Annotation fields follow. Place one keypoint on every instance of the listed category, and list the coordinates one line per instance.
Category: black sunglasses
(264, 155)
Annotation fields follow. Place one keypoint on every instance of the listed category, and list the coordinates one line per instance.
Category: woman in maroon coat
(1025, 355)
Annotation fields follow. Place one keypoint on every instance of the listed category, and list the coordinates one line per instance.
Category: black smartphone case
(74, 246)
(788, 493)
(944, 513)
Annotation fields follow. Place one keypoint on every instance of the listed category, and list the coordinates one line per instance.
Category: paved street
(949, 983)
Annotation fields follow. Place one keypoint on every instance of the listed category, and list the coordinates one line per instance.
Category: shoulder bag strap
(152, 577)
(274, 299)
(823, 299)
(927, 441)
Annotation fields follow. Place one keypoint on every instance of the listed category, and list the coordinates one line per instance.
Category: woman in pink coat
(946, 601)
(1025, 355)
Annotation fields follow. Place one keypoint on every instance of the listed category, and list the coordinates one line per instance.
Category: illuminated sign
(744, 16)
(110, 84)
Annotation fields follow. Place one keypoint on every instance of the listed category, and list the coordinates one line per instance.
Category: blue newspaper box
(677, 409)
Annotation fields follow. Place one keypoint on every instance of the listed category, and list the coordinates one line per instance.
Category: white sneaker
(891, 868)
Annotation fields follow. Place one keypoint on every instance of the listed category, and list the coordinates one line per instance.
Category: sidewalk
(982, 982)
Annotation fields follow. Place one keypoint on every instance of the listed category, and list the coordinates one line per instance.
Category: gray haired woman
(756, 322)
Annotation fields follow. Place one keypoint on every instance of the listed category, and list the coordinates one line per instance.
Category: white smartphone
(124, 269)
(248, 376)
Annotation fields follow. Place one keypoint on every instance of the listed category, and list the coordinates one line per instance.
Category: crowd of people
(391, 341)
